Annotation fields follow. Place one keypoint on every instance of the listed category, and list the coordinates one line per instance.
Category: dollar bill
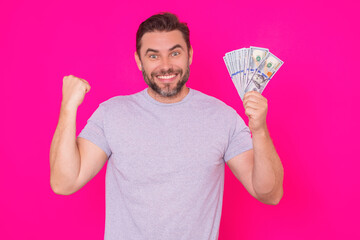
(236, 74)
(265, 71)
(237, 70)
(242, 66)
(256, 55)
(233, 62)
(246, 65)
(229, 67)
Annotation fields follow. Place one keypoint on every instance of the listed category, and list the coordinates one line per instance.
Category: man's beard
(167, 91)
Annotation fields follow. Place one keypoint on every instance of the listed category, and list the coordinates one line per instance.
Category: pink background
(313, 107)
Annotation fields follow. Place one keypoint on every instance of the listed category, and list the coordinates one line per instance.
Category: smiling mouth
(167, 77)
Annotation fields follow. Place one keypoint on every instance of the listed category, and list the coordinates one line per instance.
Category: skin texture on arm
(241, 166)
(268, 172)
(64, 153)
(90, 160)
(93, 158)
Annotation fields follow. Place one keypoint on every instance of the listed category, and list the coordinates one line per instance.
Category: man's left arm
(259, 170)
(268, 172)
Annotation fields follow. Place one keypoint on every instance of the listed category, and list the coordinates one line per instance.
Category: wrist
(67, 107)
(262, 131)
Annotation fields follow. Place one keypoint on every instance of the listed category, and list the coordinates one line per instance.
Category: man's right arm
(73, 162)
(64, 154)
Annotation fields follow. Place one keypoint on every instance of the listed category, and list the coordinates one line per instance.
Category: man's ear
(190, 55)
(137, 60)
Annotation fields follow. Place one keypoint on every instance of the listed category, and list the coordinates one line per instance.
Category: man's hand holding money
(251, 69)
(256, 108)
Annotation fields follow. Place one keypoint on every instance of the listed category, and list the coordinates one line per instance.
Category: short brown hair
(163, 21)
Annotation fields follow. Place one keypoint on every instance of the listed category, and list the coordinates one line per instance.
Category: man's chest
(161, 145)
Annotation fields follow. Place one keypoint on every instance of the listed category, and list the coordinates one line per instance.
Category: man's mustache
(166, 72)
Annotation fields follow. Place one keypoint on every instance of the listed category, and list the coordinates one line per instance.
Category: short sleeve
(239, 139)
(94, 130)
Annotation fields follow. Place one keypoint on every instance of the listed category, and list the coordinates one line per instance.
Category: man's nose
(166, 63)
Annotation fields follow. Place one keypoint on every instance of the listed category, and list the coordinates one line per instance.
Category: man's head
(163, 53)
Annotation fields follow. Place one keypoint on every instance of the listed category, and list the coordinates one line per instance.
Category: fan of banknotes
(251, 69)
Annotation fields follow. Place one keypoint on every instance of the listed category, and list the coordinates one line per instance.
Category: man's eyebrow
(151, 50)
(176, 46)
(156, 51)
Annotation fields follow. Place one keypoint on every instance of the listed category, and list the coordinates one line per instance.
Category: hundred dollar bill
(240, 51)
(229, 61)
(229, 68)
(266, 70)
(227, 65)
(241, 71)
(256, 55)
(246, 65)
(233, 69)
(237, 70)
(233, 62)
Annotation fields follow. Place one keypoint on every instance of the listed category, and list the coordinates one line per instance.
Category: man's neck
(177, 98)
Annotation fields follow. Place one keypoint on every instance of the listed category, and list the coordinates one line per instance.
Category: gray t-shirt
(165, 172)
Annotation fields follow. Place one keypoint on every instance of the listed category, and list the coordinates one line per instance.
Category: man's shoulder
(212, 102)
(121, 99)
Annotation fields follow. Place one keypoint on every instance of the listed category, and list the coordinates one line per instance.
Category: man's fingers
(87, 85)
(87, 88)
(254, 97)
(249, 111)
(254, 101)
(254, 94)
(84, 80)
(250, 99)
(252, 104)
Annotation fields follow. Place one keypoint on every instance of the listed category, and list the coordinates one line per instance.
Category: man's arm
(64, 153)
(73, 162)
(268, 172)
(259, 170)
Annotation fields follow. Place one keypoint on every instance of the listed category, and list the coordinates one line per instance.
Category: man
(167, 145)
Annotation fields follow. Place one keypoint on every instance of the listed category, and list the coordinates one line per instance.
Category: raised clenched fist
(73, 91)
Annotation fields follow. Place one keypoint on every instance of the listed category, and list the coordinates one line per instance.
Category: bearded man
(167, 145)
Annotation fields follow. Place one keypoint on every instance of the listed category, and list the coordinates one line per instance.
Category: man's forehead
(162, 40)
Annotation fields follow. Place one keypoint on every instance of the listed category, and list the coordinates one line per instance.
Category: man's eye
(175, 54)
(153, 56)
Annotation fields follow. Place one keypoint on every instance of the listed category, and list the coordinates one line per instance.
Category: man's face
(164, 61)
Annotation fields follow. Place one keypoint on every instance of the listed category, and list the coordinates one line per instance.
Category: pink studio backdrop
(313, 107)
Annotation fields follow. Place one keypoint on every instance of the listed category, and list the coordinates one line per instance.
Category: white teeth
(166, 77)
